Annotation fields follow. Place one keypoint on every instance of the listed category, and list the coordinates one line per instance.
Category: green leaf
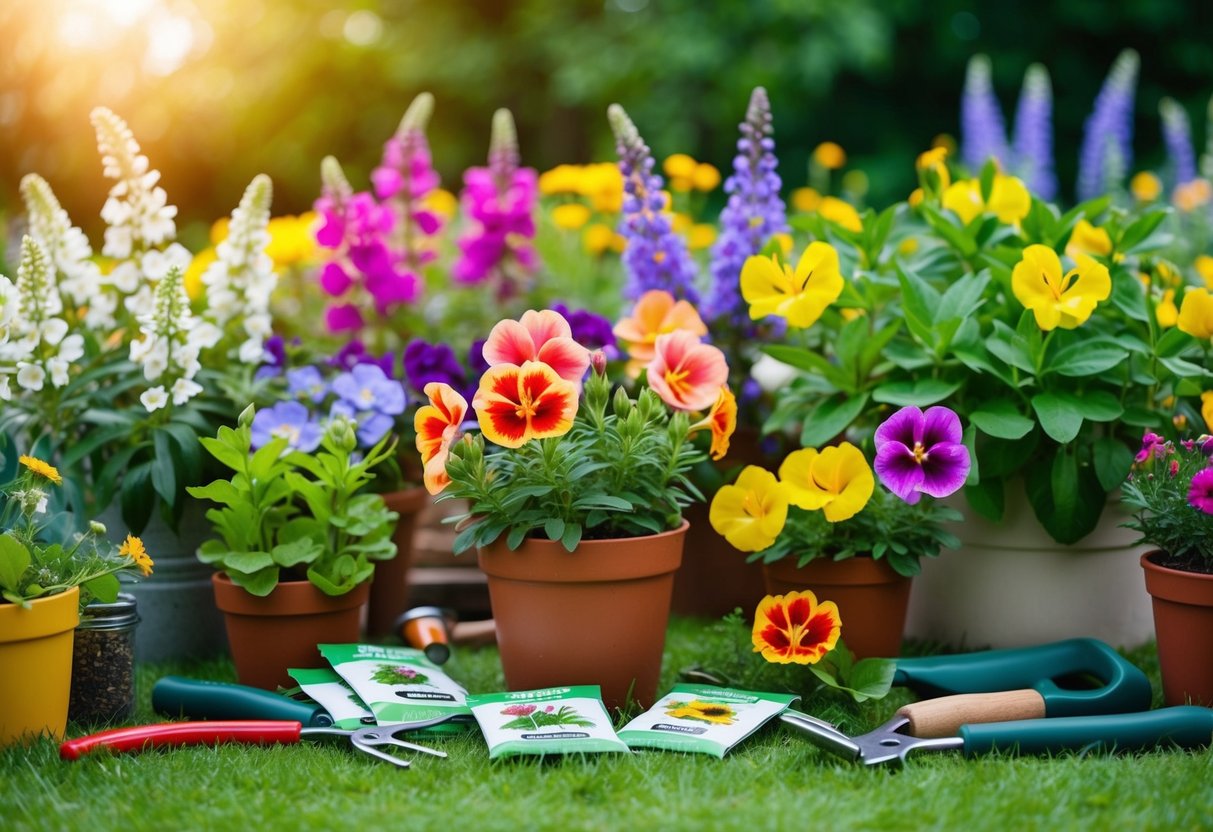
(831, 418)
(213, 552)
(247, 562)
(228, 454)
(164, 467)
(987, 498)
(919, 301)
(14, 560)
(554, 528)
(571, 537)
(260, 583)
(1065, 496)
(137, 496)
(1140, 229)
(1112, 460)
(219, 491)
(1173, 342)
(1096, 405)
(1001, 418)
(514, 539)
(605, 501)
(919, 393)
(1057, 416)
(103, 588)
(1086, 358)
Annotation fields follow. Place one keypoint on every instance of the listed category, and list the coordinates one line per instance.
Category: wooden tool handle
(475, 633)
(943, 717)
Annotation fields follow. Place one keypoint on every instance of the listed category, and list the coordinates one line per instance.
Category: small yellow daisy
(42, 469)
(132, 548)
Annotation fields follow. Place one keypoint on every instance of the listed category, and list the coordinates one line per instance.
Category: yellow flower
(291, 240)
(194, 288)
(1009, 199)
(562, 179)
(1192, 195)
(1166, 313)
(701, 235)
(219, 230)
(132, 548)
(934, 161)
(1206, 408)
(751, 513)
(597, 238)
(836, 479)
(1168, 274)
(830, 155)
(915, 198)
(1087, 239)
(680, 223)
(805, 200)
(42, 469)
(1056, 299)
(1196, 313)
(907, 246)
(855, 183)
(706, 177)
(717, 713)
(1145, 187)
(602, 183)
(679, 166)
(835, 210)
(770, 287)
(1204, 268)
(442, 202)
(784, 241)
(570, 216)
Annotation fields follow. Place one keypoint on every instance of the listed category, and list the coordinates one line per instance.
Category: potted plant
(823, 525)
(1170, 491)
(576, 496)
(295, 538)
(47, 572)
(1046, 341)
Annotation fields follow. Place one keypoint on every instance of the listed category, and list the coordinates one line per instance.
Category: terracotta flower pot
(1183, 624)
(596, 616)
(390, 588)
(870, 596)
(36, 665)
(714, 578)
(268, 635)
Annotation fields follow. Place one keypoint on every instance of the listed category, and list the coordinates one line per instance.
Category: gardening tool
(369, 740)
(177, 696)
(1186, 726)
(434, 629)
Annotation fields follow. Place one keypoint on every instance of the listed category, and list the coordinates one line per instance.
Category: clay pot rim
(45, 617)
(407, 500)
(1149, 565)
(622, 558)
(284, 599)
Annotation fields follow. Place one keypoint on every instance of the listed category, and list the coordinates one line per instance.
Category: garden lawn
(774, 780)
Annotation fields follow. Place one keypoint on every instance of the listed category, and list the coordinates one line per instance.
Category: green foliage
(1158, 492)
(566, 715)
(621, 473)
(285, 511)
(398, 674)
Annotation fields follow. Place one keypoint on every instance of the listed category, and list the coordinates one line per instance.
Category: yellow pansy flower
(836, 210)
(1166, 313)
(784, 241)
(933, 162)
(1206, 409)
(1058, 299)
(1088, 239)
(1009, 199)
(291, 240)
(751, 513)
(570, 216)
(1145, 187)
(603, 184)
(830, 155)
(1196, 313)
(805, 200)
(1204, 268)
(836, 479)
(770, 286)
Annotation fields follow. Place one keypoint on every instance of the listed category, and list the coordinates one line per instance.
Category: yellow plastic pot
(36, 657)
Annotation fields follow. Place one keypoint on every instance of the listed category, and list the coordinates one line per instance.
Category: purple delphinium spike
(754, 212)
(590, 330)
(1107, 144)
(655, 257)
(1177, 136)
(983, 132)
(921, 453)
(1033, 149)
(500, 200)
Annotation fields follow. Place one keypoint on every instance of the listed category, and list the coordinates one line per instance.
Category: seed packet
(703, 718)
(550, 721)
(398, 684)
(335, 695)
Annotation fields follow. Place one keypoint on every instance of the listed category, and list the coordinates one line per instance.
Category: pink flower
(686, 374)
(518, 710)
(538, 336)
(1200, 495)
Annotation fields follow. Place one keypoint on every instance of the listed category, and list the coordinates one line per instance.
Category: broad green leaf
(571, 536)
(919, 393)
(554, 528)
(247, 562)
(1173, 342)
(1065, 496)
(1112, 461)
(301, 550)
(1057, 416)
(831, 418)
(1082, 359)
(260, 583)
(230, 456)
(1002, 419)
(103, 588)
(14, 560)
(164, 467)
(1096, 405)
(1140, 229)
(987, 498)
(138, 497)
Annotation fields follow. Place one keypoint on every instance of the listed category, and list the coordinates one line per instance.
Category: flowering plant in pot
(824, 507)
(1170, 491)
(576, 494)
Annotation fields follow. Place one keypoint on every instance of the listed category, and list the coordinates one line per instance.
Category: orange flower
(794, 628)
(656, 313)
(722, 421)
(437, 425)
(517, 404)
(687, 374)
(538, 336)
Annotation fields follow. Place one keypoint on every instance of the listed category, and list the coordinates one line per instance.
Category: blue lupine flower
(289, 420)
(1033, 151)
(1177, 136)
(306, 383)
(655, 257)
(1107, 143)
(983, 132)
(754, 212)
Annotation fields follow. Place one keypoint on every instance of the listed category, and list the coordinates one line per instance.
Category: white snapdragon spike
(242, 278)
(9, 305)
(38, 346)
(65, 244)
(167, 350)
(137, 210)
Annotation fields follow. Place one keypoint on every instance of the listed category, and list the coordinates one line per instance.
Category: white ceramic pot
(1011, 585)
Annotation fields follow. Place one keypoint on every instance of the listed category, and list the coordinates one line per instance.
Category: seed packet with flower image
(704, 718)
(333, 694)
(398, 684)
(550, 721)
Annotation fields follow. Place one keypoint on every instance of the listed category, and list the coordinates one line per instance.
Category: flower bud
(97, 528)
(246, 417)
(598, 361)
(622, 403)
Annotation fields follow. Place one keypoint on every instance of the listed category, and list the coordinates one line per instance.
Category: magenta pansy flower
(921, 453)
(1200, 493)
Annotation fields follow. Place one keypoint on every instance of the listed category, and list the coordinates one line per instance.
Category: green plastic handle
(177, 696)
(1185, 725)
(1076, 677)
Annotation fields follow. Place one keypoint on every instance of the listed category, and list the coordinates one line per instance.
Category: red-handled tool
(368, 740)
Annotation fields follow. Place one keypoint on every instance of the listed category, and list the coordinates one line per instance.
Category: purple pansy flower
(289, 420)
(921, 453)
(367, 387)
(425, 362)
(1200, 494)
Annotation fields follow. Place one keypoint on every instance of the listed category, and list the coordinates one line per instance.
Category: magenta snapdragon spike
(753, 214)
(1033, 148)
(983, 132)
(1107, 144)
(404, 178)
(1177, 136)
(921, 453)
(500, 202)
(655, 257)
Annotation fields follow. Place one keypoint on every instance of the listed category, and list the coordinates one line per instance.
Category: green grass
(773, 781)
